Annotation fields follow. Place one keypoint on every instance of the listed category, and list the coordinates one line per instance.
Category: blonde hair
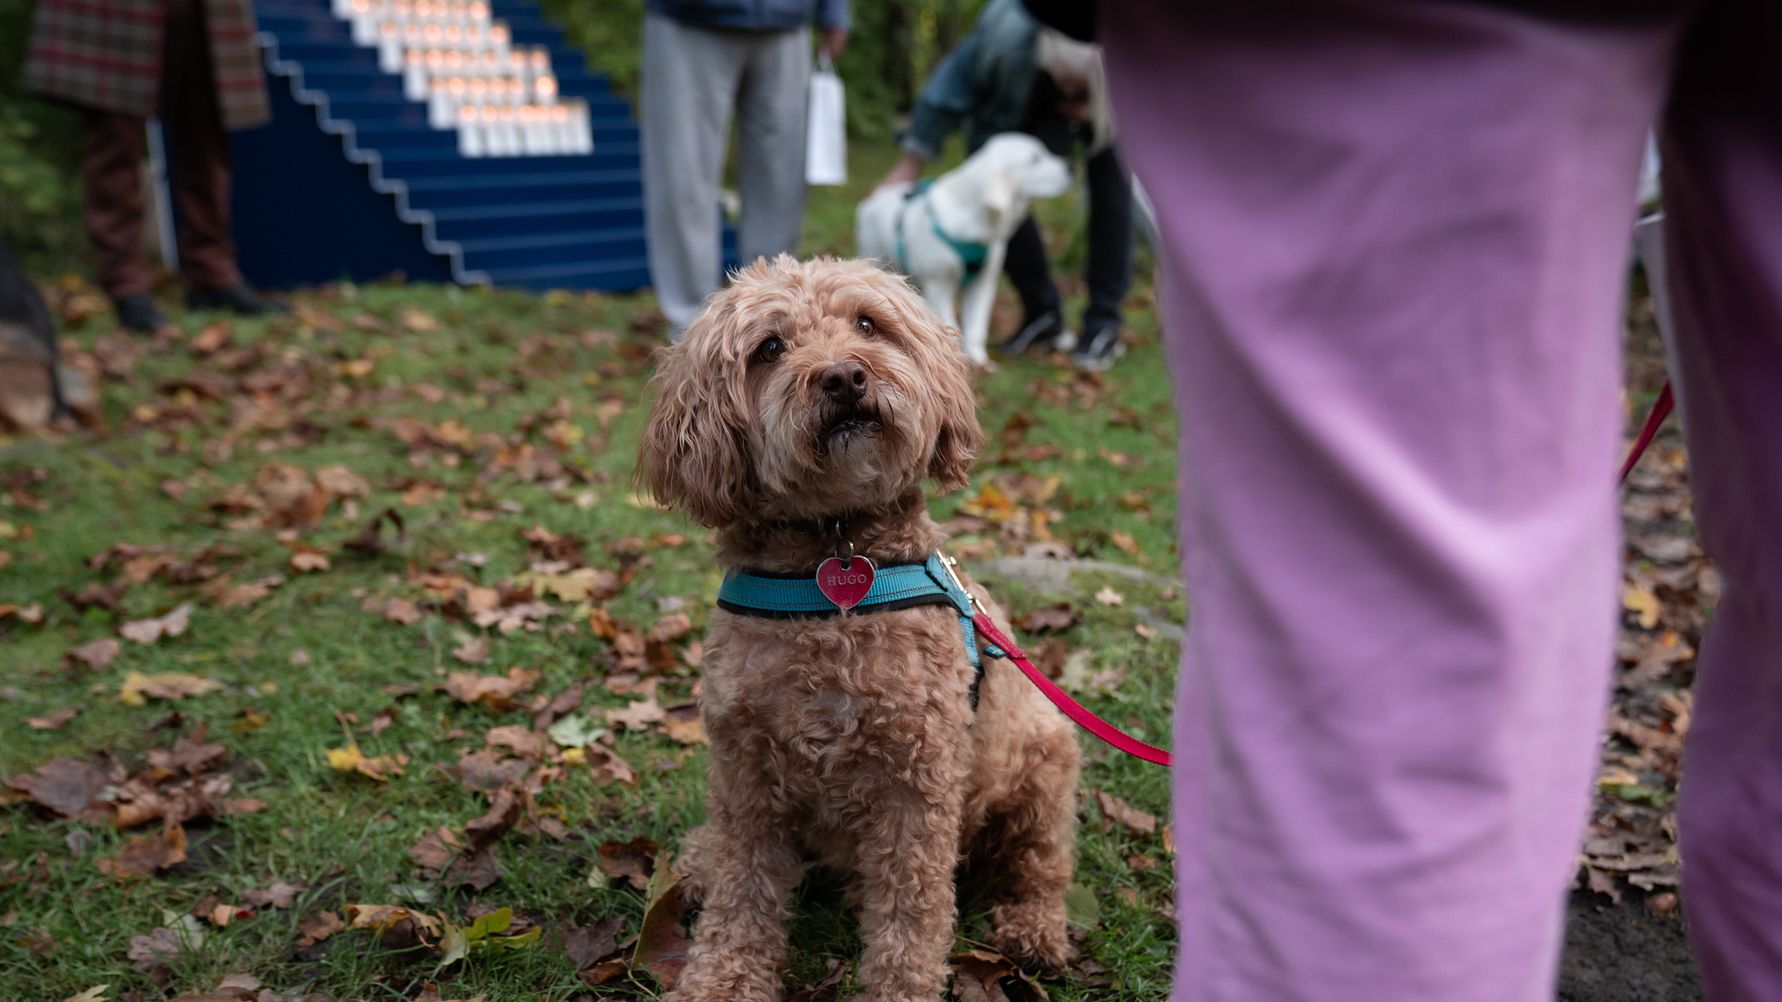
(1058, 54)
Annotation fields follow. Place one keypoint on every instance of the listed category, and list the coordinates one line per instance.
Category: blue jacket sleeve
(832, 14)
(946, 100)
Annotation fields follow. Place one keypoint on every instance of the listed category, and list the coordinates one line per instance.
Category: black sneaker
(137, 313)
(1099, 349)
(237, 299)
(1044, 331)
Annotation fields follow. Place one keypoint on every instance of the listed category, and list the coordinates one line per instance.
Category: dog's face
(808, 390)
(1025, 164)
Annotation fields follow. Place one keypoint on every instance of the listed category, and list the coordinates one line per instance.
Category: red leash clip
(1077, 712)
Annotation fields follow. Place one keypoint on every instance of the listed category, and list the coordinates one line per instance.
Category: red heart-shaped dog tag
(845, 582)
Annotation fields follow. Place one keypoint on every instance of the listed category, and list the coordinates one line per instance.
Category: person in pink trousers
(1395, 235)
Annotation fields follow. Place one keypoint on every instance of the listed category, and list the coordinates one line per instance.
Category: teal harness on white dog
(973, 254)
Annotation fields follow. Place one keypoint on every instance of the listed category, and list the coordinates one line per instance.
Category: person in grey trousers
(704, 60)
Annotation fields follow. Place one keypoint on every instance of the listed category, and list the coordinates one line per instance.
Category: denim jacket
(984, 83)
(754, 15)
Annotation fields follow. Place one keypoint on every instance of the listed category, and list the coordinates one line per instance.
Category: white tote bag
(826, 132)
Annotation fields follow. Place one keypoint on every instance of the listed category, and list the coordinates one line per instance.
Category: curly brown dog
(801, 413)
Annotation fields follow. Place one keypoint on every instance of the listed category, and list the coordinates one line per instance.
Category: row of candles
(442, 12)
(529, 130)
(501, 99)
(421, 84)
(490, 36)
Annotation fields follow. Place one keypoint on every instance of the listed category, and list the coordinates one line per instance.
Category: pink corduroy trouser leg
(1395, 236)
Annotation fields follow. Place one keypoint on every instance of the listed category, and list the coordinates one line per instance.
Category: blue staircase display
(350, 182)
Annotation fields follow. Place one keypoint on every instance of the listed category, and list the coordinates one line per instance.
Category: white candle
(582, 132)
(389, 49)
(470, 133)
(559, 129)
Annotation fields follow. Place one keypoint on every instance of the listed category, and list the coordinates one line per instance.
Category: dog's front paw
(731, 986)
(1033, 934)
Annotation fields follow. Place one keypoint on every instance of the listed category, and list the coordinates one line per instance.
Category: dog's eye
(770, 350)
(864, 324)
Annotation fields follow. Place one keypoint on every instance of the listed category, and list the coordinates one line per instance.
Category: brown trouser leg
(198, 147)
(113, 202)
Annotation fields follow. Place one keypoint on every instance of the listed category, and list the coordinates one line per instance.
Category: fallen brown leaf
(435, 850)
(474, 651)
(487, 771)
(138, 689)
(95, 654)
(682, 723)
(1131, 817)
(662, 940)
(497, 692)
(630, 862)
(308, 560)
(386, 918)
(148, 631)
(1049, 619)
(379, 768)
(638, 715)
(143, 856)
(586, 947)
(608, 767)
(53, 721)
(278, 895)
(313, 929)
(504, 811)
(68, 785)
(518, 738)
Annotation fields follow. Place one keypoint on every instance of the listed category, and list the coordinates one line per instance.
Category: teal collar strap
(896, 586)
(971, 253)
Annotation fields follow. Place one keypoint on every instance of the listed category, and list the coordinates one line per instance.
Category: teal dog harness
(895, 586)
(971, 253)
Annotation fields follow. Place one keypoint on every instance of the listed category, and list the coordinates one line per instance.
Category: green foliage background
(890, 49)
(39, 156)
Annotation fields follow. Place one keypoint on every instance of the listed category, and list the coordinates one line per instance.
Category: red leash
(1082, 715)
(1086, 718)
(1661, 408)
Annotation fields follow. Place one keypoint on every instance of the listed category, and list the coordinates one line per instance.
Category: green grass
(309, 653)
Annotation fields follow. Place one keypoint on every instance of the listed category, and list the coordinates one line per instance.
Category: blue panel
(350, 181)
(304, 214)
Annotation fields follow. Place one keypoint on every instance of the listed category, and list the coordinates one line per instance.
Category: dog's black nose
(845, 382)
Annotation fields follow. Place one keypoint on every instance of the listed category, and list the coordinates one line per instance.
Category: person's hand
(907, 171)
(834, 41)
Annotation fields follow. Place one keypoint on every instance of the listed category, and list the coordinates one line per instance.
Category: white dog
(949, 236)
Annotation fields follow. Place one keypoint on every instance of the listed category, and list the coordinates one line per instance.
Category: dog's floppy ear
(1001, 189)
(694, 454)
(960, 434)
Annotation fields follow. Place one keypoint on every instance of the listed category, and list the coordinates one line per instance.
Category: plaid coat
(106, 55)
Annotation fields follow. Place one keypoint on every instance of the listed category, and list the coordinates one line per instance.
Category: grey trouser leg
(770, 144)
(692, 80)
(690, 77)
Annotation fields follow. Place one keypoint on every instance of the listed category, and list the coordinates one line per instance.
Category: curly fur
(851, 741)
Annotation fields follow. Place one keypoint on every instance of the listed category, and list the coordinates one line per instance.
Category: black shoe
(137, 313)
(1098, 349)
(236, 299)
(1044, 331)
